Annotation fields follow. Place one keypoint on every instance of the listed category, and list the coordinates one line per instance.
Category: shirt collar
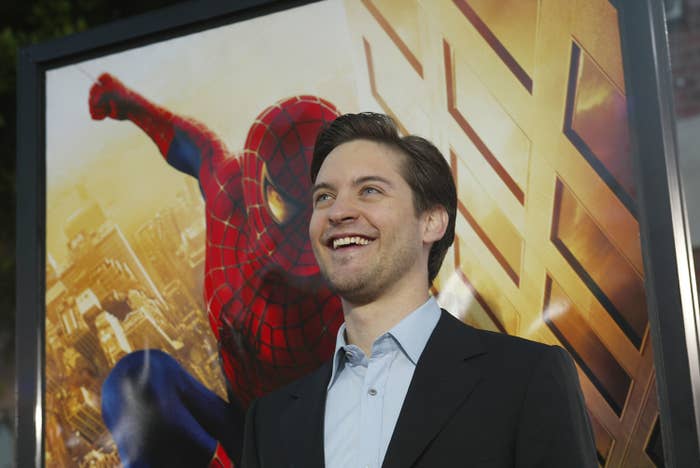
(338, 354)
(411, 333)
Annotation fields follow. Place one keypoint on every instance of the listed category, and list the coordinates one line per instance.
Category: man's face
(364, 230)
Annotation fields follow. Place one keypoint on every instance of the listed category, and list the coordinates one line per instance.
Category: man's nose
(343, 210)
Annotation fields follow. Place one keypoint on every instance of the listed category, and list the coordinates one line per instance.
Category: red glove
(109, 98)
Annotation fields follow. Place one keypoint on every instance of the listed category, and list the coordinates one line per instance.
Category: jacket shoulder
(511, 342)
(496, 341)
(507, 353)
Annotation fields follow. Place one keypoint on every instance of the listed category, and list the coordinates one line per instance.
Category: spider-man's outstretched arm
(183, 142)
(192, 426)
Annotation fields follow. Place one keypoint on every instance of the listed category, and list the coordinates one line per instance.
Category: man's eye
(321, 197)
(370, 190)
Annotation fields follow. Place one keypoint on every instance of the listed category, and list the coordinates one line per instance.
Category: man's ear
(436, 220)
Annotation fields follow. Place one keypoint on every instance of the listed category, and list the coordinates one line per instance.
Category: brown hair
(424, 168)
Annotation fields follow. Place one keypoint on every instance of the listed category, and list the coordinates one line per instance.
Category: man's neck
(365, 323)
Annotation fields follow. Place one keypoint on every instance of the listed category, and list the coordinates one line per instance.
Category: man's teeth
(349, 240)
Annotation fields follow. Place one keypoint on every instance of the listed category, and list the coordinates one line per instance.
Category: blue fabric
(183, 154)
(159, 415)
(365, 394)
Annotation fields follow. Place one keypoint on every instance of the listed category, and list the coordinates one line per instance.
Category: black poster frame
(671, 286)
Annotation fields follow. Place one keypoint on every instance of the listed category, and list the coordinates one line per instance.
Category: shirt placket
(372, 406)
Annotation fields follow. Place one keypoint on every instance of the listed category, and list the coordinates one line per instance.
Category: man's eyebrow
(372, 178)
(356, 182)
(321, 185)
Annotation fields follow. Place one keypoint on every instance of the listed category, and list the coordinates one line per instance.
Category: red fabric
(220, 459)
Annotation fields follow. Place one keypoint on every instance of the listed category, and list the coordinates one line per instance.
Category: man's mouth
(348, 241)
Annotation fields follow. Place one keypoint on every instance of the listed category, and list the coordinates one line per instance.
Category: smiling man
(409, 385)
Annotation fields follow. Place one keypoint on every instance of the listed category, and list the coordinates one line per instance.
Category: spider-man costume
(273, 316)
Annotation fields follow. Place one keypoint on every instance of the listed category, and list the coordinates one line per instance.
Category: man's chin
(356, 292)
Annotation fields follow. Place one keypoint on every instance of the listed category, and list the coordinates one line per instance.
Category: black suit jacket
(476, 399)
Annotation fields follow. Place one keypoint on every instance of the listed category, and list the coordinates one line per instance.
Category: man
(409, 385)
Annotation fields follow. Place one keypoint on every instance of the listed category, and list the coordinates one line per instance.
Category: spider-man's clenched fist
(108, 98)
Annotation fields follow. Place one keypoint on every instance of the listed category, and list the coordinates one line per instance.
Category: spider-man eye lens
(281, 207)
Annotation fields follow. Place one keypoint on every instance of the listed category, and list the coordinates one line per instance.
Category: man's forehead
(362, 152)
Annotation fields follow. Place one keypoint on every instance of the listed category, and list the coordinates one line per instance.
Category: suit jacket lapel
(302, 423)
(445, 376)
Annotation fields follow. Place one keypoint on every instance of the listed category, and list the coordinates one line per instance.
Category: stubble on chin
(357, 291)
(360, 286)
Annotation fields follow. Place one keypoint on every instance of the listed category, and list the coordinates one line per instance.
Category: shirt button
(372, 392)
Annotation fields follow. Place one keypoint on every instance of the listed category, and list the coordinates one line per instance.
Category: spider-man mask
(276, 185)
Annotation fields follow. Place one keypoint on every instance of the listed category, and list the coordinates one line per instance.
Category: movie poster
(177, 200)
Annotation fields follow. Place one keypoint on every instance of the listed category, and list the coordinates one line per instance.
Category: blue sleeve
(184, 155)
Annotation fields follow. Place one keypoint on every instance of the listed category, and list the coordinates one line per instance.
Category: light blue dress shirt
(365, 395)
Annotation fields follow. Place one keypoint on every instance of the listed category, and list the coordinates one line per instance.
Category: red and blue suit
(271, 312)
